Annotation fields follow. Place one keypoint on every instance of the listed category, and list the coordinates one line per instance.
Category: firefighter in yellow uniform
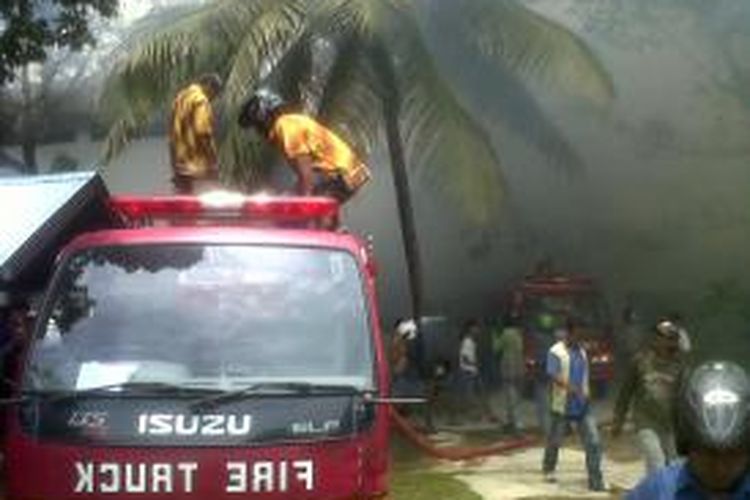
(192, 148)
(324, 163)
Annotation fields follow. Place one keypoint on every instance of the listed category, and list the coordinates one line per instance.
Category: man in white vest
(568, 371)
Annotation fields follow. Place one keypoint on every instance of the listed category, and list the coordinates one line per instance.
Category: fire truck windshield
(588, 309)
(203, 316)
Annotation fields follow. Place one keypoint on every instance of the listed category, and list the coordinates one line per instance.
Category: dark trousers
(331, 185)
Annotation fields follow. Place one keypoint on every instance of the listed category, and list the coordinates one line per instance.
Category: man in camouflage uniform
(649, 388)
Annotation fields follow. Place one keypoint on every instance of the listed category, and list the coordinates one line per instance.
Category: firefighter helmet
(407, 328)
(713, 408)
(260, 109)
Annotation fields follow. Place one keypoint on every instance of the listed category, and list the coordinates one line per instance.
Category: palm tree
(380, 62)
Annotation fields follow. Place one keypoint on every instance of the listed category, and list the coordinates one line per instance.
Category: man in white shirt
(468, 352)
(468, 371)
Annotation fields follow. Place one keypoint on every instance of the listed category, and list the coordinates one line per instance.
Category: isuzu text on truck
(212, 348)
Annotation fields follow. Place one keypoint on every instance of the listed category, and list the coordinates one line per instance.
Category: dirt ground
(518, 475)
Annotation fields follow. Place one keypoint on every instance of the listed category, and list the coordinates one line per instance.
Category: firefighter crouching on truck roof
(324, 163)
(712, 427)
(192, 148)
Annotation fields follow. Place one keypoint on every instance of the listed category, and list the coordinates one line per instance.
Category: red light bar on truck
(226, 205)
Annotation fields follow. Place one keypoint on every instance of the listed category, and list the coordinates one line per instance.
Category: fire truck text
(256, 477)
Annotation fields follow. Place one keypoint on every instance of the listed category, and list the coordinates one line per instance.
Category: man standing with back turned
(192, 148)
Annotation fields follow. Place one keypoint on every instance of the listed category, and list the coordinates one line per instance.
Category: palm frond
(459, 159)
(294, 70)
(348, 100)
(364, 18)
(348, 96)
(167, 54)
(198, 41)
(266, 41)
(526, 42)
(503, 99)
(351, 103)
(244, 159)
(445, 145)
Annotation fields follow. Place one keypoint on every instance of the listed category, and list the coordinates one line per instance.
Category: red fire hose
(456, 452)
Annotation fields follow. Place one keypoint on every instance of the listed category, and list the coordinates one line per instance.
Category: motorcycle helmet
(260, 110)
(712, 410)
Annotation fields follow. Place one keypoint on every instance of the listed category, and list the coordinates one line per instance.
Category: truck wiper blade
(13, 401)
(266, 388)
(129, 388)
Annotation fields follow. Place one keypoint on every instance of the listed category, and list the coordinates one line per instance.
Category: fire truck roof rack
(229, 208)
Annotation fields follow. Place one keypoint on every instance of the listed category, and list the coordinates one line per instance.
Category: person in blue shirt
(712, 423)
(568, 371)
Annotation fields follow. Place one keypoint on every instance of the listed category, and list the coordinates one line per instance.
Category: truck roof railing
(229, 208)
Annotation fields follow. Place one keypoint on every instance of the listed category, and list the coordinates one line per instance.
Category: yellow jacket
(191, 134)
(300, 135)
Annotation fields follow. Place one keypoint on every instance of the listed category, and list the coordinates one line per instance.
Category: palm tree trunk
(391, 109)
(28, 133)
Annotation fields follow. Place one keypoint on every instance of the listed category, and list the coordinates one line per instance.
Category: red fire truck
(210, 347)
(561, 296)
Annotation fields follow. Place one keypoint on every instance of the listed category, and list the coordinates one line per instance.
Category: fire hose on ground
(456, 453)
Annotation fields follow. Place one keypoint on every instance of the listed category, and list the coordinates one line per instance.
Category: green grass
(426, 485)
(412, 479)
